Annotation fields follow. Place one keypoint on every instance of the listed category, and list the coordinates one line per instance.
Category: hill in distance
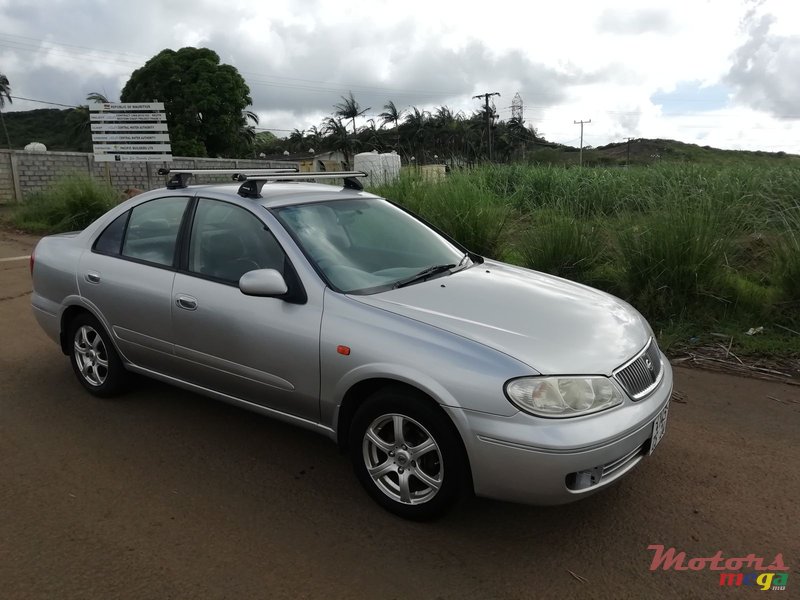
(58, 130)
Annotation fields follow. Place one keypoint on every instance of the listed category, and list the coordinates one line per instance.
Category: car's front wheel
(94, 359)
(407, 455)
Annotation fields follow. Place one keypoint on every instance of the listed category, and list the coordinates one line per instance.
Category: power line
(44, 102)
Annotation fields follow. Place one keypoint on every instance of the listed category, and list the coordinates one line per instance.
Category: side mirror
(263, 282)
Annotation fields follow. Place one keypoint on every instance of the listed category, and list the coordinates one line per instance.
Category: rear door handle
(93, 277)
(186, 302)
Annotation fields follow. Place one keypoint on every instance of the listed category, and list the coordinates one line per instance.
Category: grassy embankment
(697, 249)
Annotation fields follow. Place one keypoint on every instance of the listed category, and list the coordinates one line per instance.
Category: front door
(263, 350)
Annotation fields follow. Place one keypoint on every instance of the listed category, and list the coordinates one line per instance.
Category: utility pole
(628, 159)
(488, 117)
(581, 123)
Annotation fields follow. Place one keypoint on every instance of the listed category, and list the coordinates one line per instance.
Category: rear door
(128, 277)
(263, 350)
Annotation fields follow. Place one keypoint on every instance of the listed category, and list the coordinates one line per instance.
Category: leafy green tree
(204, 99)
(5, 94)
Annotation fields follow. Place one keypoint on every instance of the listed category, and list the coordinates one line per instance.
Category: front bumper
(555, 461)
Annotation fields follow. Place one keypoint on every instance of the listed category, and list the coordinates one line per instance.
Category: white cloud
(569, 60)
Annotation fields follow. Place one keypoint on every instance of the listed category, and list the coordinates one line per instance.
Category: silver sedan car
(440, 371)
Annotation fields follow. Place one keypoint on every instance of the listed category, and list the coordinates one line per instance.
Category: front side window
(228, 241)
(153, 230)
(367, 245)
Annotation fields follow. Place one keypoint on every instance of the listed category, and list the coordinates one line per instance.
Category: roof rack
(179, 178)
(251, 188)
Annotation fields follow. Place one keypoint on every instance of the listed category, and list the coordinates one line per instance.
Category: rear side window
(110, 241)
(153, 230)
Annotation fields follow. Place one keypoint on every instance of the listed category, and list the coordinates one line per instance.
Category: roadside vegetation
(71, 204)
(705, 252)
(698, 249)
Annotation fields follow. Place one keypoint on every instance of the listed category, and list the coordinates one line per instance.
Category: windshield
(369, 245)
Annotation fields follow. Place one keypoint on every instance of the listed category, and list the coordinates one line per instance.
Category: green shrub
(672, 260)
(71, 204)
(560, 245)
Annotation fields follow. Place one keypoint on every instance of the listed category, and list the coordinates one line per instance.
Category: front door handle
(93, 277)
(186, 302)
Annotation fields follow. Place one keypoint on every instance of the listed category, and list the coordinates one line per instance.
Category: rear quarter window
(110, 241)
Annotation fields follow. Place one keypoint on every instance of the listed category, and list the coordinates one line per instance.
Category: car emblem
(649, 364)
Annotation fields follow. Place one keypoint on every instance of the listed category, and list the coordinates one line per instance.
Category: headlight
(561, 397)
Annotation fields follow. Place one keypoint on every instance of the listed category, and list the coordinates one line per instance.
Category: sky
(724, 73)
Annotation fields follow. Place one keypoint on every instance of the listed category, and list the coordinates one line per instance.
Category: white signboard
(107, 148)
(126, 117)
(130, 137)
(132, 158)
(130, 132)
(127, 107)
(128, 127)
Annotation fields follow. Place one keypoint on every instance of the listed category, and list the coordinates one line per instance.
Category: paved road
(165, 494)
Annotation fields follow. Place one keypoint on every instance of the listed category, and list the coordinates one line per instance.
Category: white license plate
(659, 427)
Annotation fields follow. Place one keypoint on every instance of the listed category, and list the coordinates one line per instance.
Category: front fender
(453, 370)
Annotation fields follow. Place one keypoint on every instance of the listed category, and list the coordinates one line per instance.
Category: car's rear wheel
(407, 455)
(94, 359)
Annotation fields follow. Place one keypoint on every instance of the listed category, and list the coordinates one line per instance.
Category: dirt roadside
(165, 494)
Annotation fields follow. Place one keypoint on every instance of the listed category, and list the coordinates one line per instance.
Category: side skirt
(263, 410)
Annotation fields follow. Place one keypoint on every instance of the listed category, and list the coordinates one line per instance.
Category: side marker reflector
(344, 350)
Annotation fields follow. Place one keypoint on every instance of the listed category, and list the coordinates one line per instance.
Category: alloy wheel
(403, 459)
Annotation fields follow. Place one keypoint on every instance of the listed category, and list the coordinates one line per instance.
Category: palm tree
(97, 97)
(247, 132)
(338, 137)
(297, 140)
(81, 122)
(349, 108)
(314, 137)
(5, 94)
(416, 123)
(391, 114)
(372, 135)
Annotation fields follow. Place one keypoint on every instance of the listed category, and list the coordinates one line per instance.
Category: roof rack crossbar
(179, 178)
(251, 188)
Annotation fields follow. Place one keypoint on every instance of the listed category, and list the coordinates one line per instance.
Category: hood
(555, 326)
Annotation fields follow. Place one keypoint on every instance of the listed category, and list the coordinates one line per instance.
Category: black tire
(98, 366)
(445, 464)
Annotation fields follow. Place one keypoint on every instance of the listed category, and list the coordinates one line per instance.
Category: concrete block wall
(25, 173)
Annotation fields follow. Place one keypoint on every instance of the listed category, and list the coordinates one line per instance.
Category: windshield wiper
(424, 274)
(462, 264)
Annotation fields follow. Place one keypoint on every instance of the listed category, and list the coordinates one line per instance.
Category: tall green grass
(71, 204)
(468, 212)
(685, 243)
(787, 253)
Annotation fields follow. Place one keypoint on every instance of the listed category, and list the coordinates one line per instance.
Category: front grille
(641, 375)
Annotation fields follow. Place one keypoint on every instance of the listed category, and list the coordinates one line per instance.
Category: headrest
(222, 246)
